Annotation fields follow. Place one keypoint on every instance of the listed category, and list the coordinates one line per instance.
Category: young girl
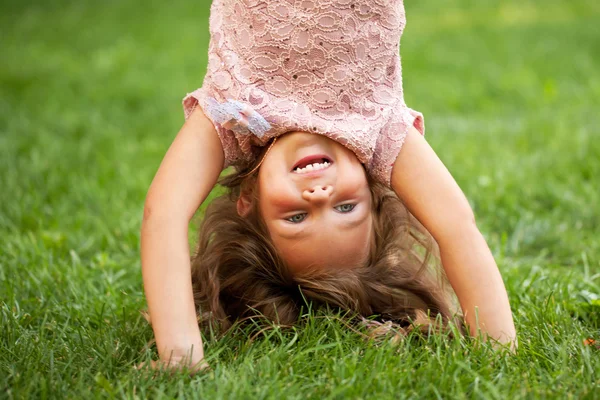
(304, 98)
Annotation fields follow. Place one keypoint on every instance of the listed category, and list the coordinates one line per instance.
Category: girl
(304, 98)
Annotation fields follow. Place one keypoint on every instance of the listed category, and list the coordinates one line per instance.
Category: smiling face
(316, 202)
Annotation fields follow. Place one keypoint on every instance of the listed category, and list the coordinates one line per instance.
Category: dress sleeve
(231, 150)
(235, 122)
(390, 141)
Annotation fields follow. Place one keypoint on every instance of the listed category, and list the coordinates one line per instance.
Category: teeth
(312, 167)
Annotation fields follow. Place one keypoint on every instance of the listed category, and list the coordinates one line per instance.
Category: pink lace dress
(329, 67)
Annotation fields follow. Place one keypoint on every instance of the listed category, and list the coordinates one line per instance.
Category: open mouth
(312, 163)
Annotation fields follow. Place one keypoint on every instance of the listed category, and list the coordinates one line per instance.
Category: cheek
(275, 195)
(275, 202)
(269, 174)
(354, 180)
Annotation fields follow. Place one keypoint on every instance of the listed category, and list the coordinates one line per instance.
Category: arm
(186, 176)
(430, 193)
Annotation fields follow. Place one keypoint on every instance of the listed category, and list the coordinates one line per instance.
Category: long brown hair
(237, 272)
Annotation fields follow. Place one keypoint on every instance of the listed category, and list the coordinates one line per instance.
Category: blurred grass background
(90, 101)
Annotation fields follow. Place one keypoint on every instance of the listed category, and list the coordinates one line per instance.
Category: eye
(296, 218)
(345, 208)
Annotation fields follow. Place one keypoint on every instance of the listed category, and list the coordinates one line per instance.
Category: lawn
(90, 101)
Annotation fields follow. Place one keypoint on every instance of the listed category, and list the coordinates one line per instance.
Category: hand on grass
(176, 364)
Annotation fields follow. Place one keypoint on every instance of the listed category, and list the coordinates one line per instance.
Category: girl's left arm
(432, 195)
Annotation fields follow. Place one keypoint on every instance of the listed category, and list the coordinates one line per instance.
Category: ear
(244, 203)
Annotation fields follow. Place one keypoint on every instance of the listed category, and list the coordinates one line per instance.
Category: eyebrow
(303, 233)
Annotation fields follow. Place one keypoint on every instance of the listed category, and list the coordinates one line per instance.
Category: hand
(175, 365)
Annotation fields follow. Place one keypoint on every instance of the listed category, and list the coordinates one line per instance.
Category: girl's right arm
(187, 174)
(432, 195)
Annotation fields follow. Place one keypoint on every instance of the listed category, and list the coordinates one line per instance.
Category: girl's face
(316, 202)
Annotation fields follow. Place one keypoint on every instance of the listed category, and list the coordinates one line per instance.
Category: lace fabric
(329, 67)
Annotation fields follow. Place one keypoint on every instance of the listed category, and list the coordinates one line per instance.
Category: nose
(318, 193)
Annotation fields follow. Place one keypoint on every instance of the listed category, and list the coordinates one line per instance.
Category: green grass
(90, 100)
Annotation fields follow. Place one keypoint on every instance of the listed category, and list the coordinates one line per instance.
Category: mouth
(312, 163)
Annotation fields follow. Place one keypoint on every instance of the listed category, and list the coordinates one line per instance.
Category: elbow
(463, 216)
(466, 218)
(458, 226)
(147, 219)
(148, 211)
(158, 214)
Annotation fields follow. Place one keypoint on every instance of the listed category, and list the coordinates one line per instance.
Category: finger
(146, 365)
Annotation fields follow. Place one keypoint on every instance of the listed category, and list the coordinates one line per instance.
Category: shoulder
(390, 142)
